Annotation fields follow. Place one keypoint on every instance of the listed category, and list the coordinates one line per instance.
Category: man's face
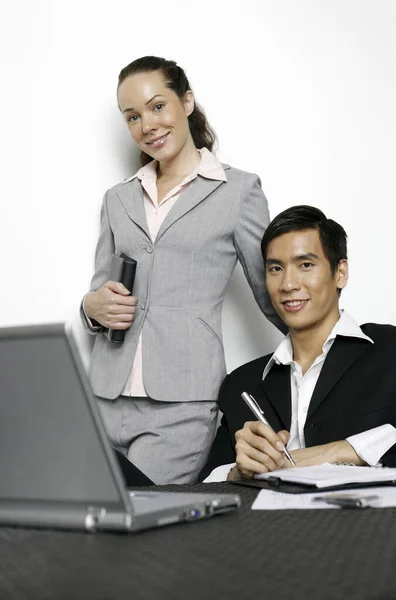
(300, 283)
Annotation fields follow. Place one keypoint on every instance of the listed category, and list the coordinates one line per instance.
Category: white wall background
(303, 92)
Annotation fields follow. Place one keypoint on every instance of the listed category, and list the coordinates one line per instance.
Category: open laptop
(57, 468)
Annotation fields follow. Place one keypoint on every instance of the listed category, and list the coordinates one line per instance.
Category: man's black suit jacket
(356, 391)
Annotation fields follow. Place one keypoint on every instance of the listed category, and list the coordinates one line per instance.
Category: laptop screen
(50, 445)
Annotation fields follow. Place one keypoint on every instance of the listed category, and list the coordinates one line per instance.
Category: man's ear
(189, 102)
(342, 274)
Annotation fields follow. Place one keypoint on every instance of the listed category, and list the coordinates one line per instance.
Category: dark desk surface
(319, 554)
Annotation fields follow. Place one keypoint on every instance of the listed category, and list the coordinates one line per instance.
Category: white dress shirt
(370, 445)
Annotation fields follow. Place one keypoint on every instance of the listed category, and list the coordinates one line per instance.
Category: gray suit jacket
(180, 283)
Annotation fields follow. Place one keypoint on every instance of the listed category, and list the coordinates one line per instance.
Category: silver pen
(350, 500)
(258, 413)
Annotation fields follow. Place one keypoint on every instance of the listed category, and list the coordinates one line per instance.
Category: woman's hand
(112, 306)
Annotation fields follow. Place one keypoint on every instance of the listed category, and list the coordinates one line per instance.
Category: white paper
(269, 500)
(330, 475)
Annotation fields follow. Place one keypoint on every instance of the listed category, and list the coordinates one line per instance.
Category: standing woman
(186, 219)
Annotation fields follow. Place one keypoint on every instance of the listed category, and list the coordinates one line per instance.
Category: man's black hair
(297, 218)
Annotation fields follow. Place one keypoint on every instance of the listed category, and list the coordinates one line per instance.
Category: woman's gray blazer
(180, 283)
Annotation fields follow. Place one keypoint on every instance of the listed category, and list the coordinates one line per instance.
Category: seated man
(329, 389)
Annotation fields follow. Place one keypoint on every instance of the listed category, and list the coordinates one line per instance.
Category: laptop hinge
(100, 519)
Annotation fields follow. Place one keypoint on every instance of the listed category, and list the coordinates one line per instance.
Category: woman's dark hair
(296, 218)
(176, 79)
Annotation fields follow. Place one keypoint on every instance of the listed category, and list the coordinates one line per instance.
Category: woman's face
(155, 115)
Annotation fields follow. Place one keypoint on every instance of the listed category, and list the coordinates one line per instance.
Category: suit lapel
(342, 355)
(131, 197)
(197, 191)
(276, 387)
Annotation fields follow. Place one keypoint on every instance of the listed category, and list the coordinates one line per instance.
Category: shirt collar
(208, 167)
(345, 326)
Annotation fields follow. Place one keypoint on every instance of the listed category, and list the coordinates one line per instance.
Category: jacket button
(143, 306)
(149, 249)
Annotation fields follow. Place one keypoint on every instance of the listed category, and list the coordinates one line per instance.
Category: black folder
(277, 485)
(123, 270)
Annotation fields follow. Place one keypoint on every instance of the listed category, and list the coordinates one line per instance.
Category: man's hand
(259, 449)
(112, 306)
(333, 452)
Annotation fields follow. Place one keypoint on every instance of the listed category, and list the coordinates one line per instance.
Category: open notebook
(322, 478)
